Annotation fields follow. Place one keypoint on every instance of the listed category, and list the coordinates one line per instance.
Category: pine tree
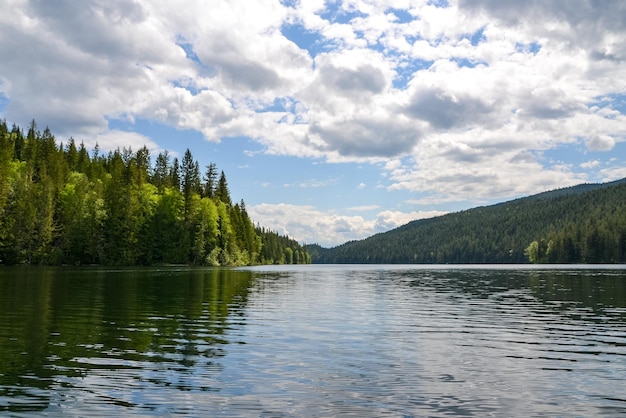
(160, 176)
(222, 193)
(190, 180)
(175, 174)
(210, 181)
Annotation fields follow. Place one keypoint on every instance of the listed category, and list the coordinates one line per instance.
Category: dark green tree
(175, 174)
(210, 181)
(160, 176)
(222, 193)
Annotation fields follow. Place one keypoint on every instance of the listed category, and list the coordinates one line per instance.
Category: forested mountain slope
(580, 224)
(62, 205)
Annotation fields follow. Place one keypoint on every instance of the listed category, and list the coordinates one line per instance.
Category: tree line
(60, 204)
(594, 231)
(582, 224)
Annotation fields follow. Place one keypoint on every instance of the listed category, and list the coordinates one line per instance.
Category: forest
(580, 224)
(61, 204)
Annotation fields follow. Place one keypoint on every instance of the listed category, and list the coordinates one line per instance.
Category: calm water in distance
(313, 341)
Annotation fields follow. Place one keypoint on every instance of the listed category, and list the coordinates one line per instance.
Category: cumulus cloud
(444, 110)
(114, 139)
(590, 164)
(475, 168)
(365, 79)
(306, 223)
(600, 143)
(365, 136)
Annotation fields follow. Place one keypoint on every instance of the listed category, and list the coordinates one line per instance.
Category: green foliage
(222, 193)
(279, 249)
(582, 224)
(540, 252)
(59, 205)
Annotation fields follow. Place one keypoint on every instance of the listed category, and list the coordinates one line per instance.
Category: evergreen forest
(580, 224)
(61, 204)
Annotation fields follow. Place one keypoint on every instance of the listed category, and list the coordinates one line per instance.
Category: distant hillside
(580, 224)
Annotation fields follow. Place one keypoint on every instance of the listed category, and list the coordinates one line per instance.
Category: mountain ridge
(581, 223)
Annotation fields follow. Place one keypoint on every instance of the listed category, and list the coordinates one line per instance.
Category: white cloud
(590, 164)
(114, 139)
(389, 219)
(311, 183)
(613, 173)
(473, 167)
(364, 208)
(305, 223)
(600, 143)
(73, 66)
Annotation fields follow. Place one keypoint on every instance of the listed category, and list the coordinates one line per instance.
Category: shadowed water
(313, 341)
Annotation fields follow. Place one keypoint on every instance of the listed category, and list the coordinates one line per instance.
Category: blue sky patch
(464, 62)
(404, 73)
(577, 157)
(166, 136)
(189, 52)
(616, 101)
(191, 55)
(4, 102)
(187, 86)
(311, 41)
(335, 14)
(569, 154)
(280, 104)
(532, 47)
(439, 3)
(403, 16)
(477, 37)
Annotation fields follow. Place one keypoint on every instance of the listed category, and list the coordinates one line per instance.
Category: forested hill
(580, 224)
(60, 204)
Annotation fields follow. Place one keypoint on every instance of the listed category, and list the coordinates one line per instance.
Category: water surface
(313, 341)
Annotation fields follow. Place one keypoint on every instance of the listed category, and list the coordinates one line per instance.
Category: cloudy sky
(334, 120)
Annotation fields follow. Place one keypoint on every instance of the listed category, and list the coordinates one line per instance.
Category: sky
(334, 120)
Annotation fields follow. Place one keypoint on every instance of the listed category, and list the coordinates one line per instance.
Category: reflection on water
(112, 337)
(313, 341)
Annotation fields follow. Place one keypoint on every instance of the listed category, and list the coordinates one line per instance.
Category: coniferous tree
(71, 155)
(19, 143)
(222, 193)
(210, 181)
(175, 174)
(190, 181)
(142, 166)
(160, 176)
(59, 205)
(83, 161)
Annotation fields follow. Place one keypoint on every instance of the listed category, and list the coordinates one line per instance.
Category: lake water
(313, 341)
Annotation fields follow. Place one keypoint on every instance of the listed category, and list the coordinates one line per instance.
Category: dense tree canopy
(582, 224)
(61, 205)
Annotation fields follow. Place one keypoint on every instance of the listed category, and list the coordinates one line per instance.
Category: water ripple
(314, 341)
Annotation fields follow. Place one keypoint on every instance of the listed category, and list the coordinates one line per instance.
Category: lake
(314, 341)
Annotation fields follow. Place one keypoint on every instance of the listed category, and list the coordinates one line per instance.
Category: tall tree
(71, 154)
(190, 175)
(142, 165)
(160, 176)
(222, 193)
(210, 181)
(175, 174)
